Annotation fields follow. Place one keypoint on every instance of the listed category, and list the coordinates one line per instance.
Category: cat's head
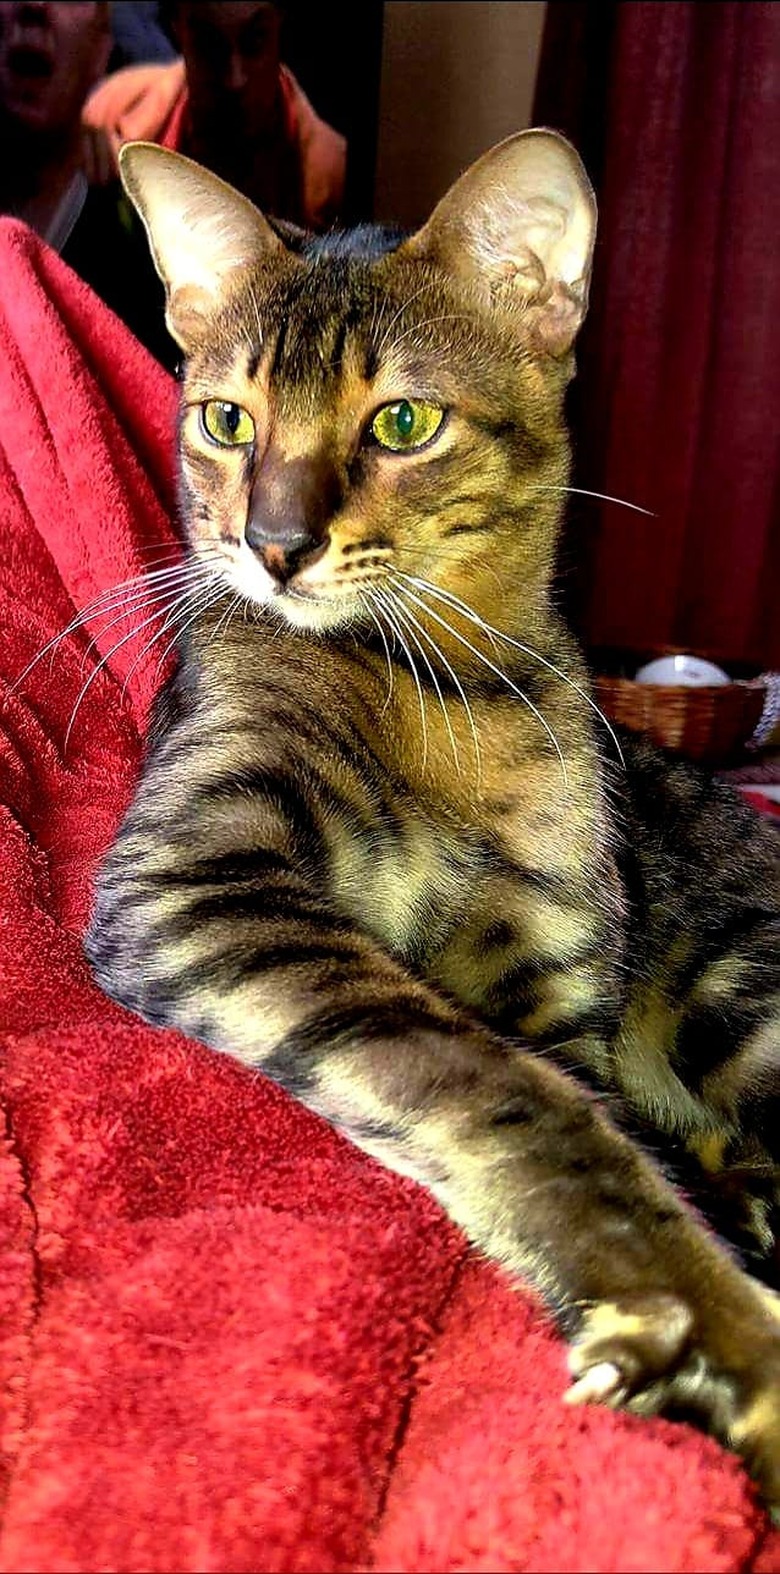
(359, 411)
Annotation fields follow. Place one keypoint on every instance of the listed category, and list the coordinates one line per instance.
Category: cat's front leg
(243, 949)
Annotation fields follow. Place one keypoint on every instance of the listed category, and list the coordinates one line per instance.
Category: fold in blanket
(229, 1341)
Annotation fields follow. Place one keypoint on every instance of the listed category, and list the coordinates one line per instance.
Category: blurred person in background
(232, 104)
(138, 34)
(51, 55)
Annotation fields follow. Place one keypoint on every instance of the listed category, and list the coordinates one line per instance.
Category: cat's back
(697, 860)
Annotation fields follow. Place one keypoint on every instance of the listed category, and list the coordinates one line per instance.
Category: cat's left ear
(520, 224)
(202, 233)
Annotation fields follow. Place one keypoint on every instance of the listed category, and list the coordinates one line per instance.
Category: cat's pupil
(404, 418)
(232, 416)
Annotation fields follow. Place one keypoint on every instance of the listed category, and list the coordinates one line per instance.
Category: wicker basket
(708, 724)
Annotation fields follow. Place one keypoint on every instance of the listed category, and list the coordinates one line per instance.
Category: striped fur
(383, 850)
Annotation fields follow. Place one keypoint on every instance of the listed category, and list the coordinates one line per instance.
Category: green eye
(407, 424)
(227, 424)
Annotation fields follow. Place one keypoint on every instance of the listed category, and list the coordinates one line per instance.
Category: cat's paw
(648, 1354)
(624, 1349)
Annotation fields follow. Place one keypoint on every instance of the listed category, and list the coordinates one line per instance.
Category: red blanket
(229, 1341)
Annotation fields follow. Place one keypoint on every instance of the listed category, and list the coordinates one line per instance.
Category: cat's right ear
(519, 227)
(202, 233)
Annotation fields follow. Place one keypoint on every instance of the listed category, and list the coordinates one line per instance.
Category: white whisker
(393, 320)
(106, 602)
(455, 602)
(458, 685)
(98, 668)
(498, 672)
(365, 601)
(209, 600)
(415, 675)
(183, 601)
(408, 621)
(226, 616)
(426, 322)
(166, 552)
(582, 491)
(140, 603)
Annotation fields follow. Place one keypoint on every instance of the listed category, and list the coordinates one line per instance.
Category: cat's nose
(290, 506)
(284, 544)
(284, 559)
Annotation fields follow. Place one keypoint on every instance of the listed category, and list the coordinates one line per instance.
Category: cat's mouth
(306, 600)
(317, 607)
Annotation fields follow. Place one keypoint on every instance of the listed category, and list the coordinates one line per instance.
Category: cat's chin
(315, 614)
(299, 606)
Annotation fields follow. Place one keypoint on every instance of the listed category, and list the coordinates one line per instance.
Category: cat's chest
(475, 908)
(407, 885)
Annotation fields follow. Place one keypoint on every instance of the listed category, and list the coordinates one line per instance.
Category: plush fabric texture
(228, 1341)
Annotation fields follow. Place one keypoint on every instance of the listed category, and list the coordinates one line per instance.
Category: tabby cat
(383, 849)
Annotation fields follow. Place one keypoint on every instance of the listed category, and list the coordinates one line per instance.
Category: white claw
(600, 1382)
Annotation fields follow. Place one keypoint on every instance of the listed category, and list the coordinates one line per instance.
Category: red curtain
(676, 109)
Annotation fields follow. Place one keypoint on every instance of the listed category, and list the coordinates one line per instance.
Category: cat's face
(365, 422)
(354, 420)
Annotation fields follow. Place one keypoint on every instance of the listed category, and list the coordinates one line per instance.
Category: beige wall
(457, 76)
